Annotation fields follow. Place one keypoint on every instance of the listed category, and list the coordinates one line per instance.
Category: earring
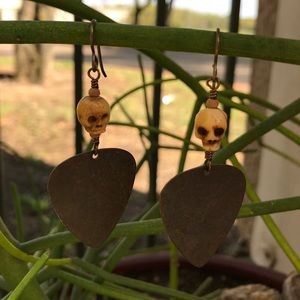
(199, 206)
(90, 191)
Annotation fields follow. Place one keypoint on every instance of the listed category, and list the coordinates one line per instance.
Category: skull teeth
(210, 142)
(212, 145)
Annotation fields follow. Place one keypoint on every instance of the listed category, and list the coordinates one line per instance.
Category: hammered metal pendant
(89, 195)
(198, 209)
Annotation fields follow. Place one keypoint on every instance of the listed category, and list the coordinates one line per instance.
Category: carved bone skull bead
(93, 114)
(210, 126)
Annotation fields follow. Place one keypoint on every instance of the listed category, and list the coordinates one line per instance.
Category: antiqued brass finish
(90, 194)
(198, 209)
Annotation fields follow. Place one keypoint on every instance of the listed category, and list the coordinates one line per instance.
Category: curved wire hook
(213, 83)
(95, 60)
(217, 47)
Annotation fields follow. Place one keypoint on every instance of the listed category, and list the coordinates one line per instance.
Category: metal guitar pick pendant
(90, 194)
(198, 209)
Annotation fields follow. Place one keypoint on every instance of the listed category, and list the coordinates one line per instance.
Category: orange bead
(212, 103)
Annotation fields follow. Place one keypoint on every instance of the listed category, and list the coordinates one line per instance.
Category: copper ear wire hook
(96, 60)
(100, 61)
(217, 47)
(213, 83)
(92, 37)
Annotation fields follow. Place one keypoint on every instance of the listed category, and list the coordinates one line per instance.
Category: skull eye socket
(202, 131)
(92, 119)
(104, 116)
(218, 131)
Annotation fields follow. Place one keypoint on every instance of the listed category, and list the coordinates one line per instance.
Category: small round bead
(212, 103)
(93, 92)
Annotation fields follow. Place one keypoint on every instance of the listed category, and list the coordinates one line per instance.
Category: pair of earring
(89, 192)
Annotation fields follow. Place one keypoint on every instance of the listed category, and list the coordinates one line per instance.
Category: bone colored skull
(210, 126)
(93, 113)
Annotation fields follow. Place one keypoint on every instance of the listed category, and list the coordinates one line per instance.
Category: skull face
(210, 126)
(93, 114)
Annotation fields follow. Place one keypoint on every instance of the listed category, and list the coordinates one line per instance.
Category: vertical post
(161, 12)
(78, 59)
(160, 21)
(231, 61)
(153, 161)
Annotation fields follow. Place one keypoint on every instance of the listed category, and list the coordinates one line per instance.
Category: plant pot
(240, 271)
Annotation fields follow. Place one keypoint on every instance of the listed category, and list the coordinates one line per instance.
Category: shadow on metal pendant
(199, 208)
(89, 195)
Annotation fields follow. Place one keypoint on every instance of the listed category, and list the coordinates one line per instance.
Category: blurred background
(40, 85)
(40, 68)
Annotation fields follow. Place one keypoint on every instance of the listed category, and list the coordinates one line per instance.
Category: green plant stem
(18, 211)
(90, 256)
(271, 225)
(125, 244)
(153, 129)
(129, 291)
(227, 93)
(47, 241)
(54, 288)
(147, 250)
(242, 107)
(132, 122)
(173, 272)
(150, 37)
(132, 283)
(6, 296)
(203, 286)
(142, 161)
(7, 233)
(267, 104)
(155, 226)
(178, 71)
(137, 88)
(291, 159)
(269, 207)
(275, 231)
(257, 131)
(100, 289)
(177, 148)
(3, 284)
(146, 101)
(64, 291)
(213, 295)
(261, 117)
(70, 269)
(19, 254)
(28, 277)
